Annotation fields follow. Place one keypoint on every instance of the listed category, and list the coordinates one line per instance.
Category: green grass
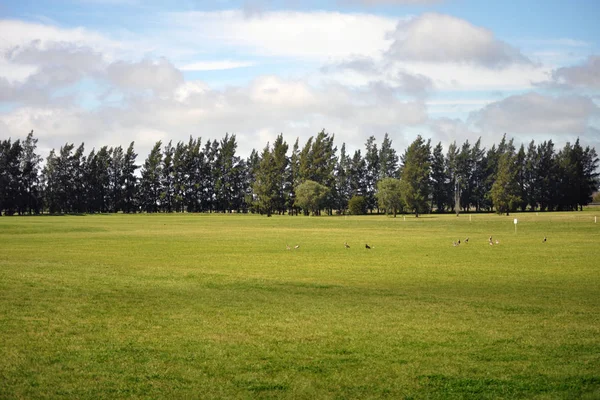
(214, 306)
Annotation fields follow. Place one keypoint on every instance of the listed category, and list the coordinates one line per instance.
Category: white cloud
(216, 65)
(316, 35)
(442, 38)
(585, 76)
(537, 114)
(159, 76)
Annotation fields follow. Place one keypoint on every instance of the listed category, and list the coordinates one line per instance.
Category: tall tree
(265, 185)
(454, 184)
(372, 172)
(505, 190)
(439, 179)
(116, 179)
(10, 156)
(342, 187)
(229, 167)
(293, 177)
(357, 175)
(546, 179)
(150, 183)
(388, 159)
(416, 166)
(130, 181)
(31, 201)
(282, 185)
(167, 179)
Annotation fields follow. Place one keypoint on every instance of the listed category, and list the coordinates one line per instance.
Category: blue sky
(108, 72)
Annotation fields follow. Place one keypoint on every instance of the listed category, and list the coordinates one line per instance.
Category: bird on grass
(287, 247)
(467, 240)
(297, 246)
(454, 244)
(544, 241)
(458, 241)
(346, 245)
(367, 246)
(497, 241)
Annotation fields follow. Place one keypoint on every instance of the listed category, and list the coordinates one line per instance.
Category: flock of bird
(491, 242)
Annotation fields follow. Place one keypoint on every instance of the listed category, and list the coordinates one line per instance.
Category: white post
(470, 217)
(595, 220)
(515, 221)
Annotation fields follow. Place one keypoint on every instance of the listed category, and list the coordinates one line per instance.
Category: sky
(109, 72)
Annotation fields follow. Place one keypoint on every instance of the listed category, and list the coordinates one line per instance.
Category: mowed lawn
(215, 306)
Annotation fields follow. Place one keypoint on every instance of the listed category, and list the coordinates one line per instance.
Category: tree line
(210, 177)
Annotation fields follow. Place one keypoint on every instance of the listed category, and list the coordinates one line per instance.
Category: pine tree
(371, 172)
(150, 183)
(130, 181)
(505, 190)
(439, 179)
(415, 170)
(30, 197)
(388, 159)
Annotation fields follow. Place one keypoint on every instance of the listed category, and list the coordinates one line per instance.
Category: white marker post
(516, 221)
(595, 220)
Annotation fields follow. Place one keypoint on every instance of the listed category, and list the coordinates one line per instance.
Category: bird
(544, 241)
(455, 244)
(467, 240)
(297, 246)
(367, 246)
(287, 247)
(490, 239)
(458, 241)
(491, 243)
(497, 241)
(346, 245)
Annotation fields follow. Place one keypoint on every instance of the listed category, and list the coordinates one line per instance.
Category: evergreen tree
(229, 190)
(50, 183)
(167, 179)
(505, 190)
(282, 185)
(415, 170)
(357, 175)
(454, 184)
(293, 177)
(478, 177)
(371, 172)
(150, 183)
(130, 181)
(521, 166)
(266, 183)
(531, 168)
(30, 196)
(388, 159)
(10, 186)
(590, 177)
(180, 176)
(252, 169)
(546, 176)
(80, 185)
(343, 185)
(116, 179)
(439, 179)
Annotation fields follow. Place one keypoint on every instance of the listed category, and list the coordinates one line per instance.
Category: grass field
(214, 306)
